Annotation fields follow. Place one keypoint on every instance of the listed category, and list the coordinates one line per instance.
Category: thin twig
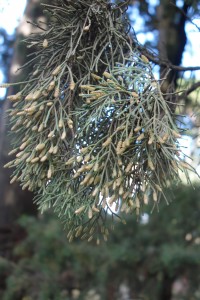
(190, 90)
(155, 59)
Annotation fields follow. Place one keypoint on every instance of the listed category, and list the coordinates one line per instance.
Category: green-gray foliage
(91, 125)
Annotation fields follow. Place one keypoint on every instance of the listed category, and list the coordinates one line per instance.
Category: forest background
(156, 257)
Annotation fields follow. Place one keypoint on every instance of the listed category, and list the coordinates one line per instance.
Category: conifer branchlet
(90, 127)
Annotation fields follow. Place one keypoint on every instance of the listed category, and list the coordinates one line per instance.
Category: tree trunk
(171, 45)
(166, 287)
(172, 38)
(13, 201)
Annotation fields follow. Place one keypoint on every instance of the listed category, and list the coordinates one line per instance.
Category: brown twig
(190, 90)
(166, 63)
(185, 15)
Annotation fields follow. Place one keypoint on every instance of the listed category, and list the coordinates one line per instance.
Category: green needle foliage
(91, 126)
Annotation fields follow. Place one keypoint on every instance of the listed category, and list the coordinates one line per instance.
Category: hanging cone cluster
(91, 126)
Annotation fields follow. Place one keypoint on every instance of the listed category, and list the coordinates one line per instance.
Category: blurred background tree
(157, 260)
(13, 201)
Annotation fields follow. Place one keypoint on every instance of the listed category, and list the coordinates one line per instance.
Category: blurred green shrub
(148, 257)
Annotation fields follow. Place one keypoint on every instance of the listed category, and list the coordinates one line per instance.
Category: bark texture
(13, 201)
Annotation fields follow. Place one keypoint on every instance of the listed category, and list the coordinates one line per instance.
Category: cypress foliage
(91, 127)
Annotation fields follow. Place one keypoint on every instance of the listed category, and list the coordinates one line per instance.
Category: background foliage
(146, 258)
